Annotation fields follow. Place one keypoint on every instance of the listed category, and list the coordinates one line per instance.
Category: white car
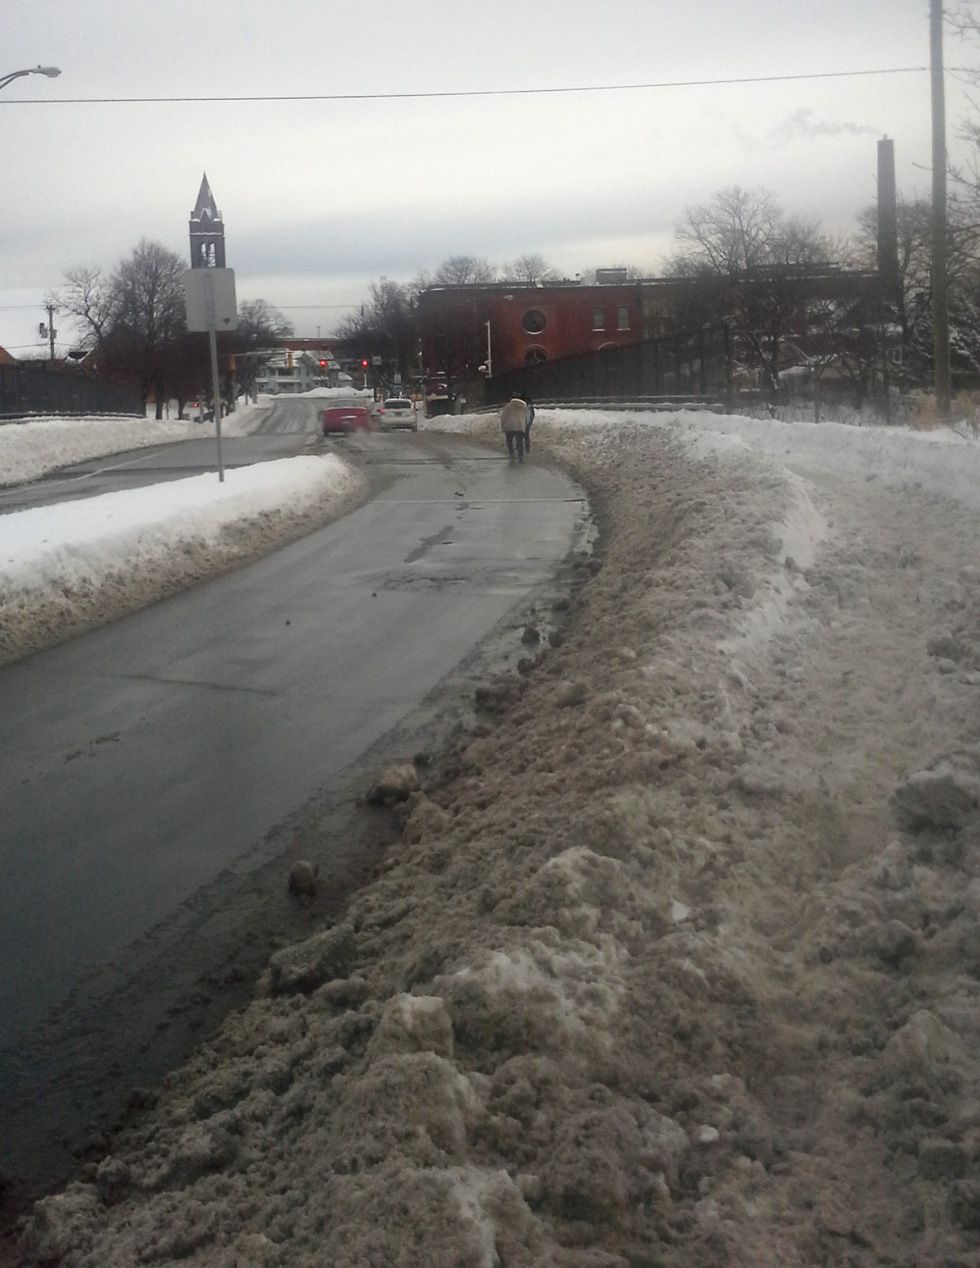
(396, 412)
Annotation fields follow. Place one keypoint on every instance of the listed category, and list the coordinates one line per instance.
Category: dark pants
(527, 437)
(515, 438)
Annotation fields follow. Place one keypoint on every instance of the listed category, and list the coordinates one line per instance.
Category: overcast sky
(321, 197)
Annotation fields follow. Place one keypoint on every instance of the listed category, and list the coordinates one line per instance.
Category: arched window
(534, 356)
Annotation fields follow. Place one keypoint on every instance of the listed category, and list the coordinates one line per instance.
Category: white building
(289, 371)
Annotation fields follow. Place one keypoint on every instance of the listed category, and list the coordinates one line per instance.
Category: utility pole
(51, 330)
(940, 298)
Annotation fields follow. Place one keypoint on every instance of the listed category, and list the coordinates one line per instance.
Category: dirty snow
(678, 960)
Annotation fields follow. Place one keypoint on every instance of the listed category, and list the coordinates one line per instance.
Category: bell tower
(207, 231)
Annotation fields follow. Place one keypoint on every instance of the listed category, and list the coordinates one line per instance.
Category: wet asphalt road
(141, 760)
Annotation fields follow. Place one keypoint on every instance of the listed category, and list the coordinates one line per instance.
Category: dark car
(342, 419)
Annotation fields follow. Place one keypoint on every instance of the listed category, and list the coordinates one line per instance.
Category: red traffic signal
(364, 363)
(323, 365)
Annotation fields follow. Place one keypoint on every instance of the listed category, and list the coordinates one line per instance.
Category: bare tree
(964, 20)
(260, 327)
(529, 269)
(148, 317)
(386, 326)
(88, 299)
(460, 270)
(913, 303)
(735, 232)
(756, 263)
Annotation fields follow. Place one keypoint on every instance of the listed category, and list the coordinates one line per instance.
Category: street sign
(209, 297)
(375, 360)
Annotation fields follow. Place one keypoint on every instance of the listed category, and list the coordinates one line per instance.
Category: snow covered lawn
(678, 959)
(30, 449)
(66, 567)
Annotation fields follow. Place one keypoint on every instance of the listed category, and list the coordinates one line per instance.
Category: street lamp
(52, 72)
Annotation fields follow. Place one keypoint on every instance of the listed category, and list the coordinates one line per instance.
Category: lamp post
(52, 72)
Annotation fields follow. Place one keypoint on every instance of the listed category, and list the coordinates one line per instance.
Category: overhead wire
(470, 92)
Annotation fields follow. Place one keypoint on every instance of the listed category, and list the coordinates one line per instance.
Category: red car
(343, 419)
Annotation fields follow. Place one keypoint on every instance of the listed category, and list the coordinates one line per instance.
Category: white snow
(56, 547)
(75, 564)
(78, 542)
(30, 449)
(939, 461)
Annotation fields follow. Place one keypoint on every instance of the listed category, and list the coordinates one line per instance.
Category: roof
(205, 204)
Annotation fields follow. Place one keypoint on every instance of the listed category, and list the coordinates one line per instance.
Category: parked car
(345, 417)
(396, 412)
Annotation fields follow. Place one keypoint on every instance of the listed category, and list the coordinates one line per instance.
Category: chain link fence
(27, 390)
(693, 366)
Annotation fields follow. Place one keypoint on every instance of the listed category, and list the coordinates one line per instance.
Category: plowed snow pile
(677, 963)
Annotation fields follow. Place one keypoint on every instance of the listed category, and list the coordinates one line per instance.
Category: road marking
(471, 502)
(84, 475)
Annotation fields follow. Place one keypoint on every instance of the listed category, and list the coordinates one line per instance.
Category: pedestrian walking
(529, 405)
(513, 420)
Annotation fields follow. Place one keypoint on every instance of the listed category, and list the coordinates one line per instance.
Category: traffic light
(323, 365)
(364, 363)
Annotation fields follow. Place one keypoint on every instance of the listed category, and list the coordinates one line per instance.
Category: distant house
(297, 365)
(6, 358)
(292, 371)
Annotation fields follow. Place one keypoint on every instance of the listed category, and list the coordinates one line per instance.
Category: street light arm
(52, 72)
(8, 79)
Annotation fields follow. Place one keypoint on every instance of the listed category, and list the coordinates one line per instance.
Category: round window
(534, 321)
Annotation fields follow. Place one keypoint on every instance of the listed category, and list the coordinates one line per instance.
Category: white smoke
(802, 124)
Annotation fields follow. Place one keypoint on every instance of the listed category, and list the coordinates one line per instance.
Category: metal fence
(28, 389)
(694, 365)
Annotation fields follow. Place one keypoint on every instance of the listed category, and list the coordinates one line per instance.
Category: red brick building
(509, 324)
(504, 326)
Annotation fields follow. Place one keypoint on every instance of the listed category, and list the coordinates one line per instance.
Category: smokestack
(887, 220)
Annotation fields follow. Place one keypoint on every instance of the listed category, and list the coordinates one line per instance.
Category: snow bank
(74, 543)
(939, 461)
(30, 449)
(651, 975)
(66, 567)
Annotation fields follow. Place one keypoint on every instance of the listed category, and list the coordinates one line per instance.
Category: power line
(469, 92)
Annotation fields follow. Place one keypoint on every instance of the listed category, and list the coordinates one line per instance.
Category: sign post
(209, 297)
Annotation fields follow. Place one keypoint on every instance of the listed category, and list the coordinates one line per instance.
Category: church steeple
(207, 231)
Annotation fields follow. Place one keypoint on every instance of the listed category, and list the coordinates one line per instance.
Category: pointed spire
(207, 231)
(205, 201)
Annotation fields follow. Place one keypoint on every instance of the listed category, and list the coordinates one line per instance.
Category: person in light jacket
(513, 420)
(529, 405)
